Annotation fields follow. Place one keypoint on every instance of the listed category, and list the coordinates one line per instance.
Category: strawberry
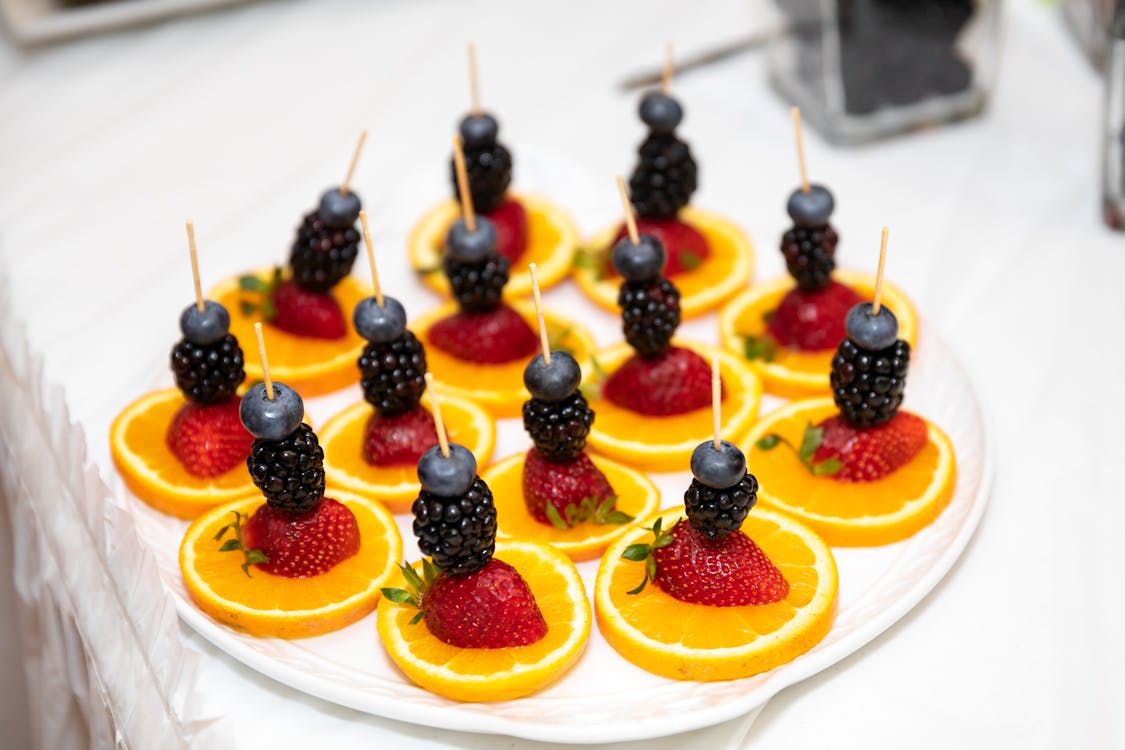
(685, 247)
(873, 452)
(492, 337)
(813, 321)
(289, 307)
(209, 439)
(677, 381)
(399, 439)
(566, 493)
(510, 221)
(304, 544)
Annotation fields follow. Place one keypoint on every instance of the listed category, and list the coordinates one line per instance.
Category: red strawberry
(813, 321)
(401, 439)
(492, 337)
(685, 247)
(492, 608)
(303, 313)
(564, 484)
(304, 544)
(510, 220)
(728, 572)
(209, 440)
(677, 381)
(873, 452)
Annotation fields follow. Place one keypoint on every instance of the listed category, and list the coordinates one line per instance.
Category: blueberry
(471, 247)
(274, 419)
(479, 130)
(660, 112)
(379, 325)
(871, 332)
(639, 262)
(552, 382)
(339, 210)
(720, 468)
(205, 327)
(811, 209)
(447, 476)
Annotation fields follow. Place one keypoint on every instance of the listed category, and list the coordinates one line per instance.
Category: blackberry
(290, 471)
(477, 286)
(322, 255)
(208, 373)
(490, 173)
(393, 374)
(558, 428)
(717, 512)
(459, 533)
(650, 314)
(810, 255)
(664, 179)
(868, 385)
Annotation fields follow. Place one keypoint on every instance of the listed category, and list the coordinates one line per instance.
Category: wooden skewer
(666, 76)
(439, 424)
(463, 185)
(796, 112)
(630, 220)
(371, 259)
(194, 266)
(474, 82)
(355, 160)
(266, 379)
(716, 403)
(543, 341)
(877, 303)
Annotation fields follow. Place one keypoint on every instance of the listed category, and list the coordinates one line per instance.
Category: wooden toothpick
(716, 403)
(666, 76)
(543, 341)
(877, 303)
(355, 160)
(439, 424)
(194, 266)
(266, 379)
(796, 112)
(463, 185)
(474, 82)
(371, 259)
(630, 220)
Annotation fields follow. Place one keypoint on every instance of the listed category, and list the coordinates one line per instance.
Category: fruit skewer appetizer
(373, 447)
(301, 563)
(788, 328)
(857, 469)
(708, 257)
(711, 590)
(480, 620)
(653, 392)
(181, 450)
(529, 229)
(556, 493)
(479, 342)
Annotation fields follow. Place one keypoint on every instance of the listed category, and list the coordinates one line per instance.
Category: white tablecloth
(239, 119)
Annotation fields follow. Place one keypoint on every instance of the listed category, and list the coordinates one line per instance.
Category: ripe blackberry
(868, 385)
(290, 471)
(664, 178)
(558, 428)
(490, 173)
(393, 374)
(716, 513)
(208, 373)
(459, 533)
(650, 314)
(322, 255)
(477, 286)
(810, 255)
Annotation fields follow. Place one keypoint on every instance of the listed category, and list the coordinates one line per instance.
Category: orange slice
(726, 270)
(310, 366)
(499, 387)
(153, 473)
(269, 605)
(793, 373)
(551, 240)
(478, 674)
(666, 443)
(396, 486)
(850, 514)
(685, 641)
(636, 495)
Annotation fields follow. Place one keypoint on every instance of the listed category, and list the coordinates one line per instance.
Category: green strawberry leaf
(554, 517)
(256, 556)
(690, 260)
(637, 552)
(230, 545)
(430, 571)
(248, 308)
(249, 556)
(639, 589)
(810, 441)
(251, 283)
(417, 618)
(759, 347)
(768, 442)
(412, 578)
(827, 467)
(398, 596)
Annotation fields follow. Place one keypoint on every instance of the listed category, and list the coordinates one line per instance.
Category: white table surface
(238, 120)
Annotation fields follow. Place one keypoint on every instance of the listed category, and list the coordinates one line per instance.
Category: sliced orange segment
(685, 641)
(396, 486)
(310, 366)
(726, 270)
(793, 373)
(153, 473)
(478, 674)
(551, 240)
(636, 495)
(498, 388)
(850, 514)
(269, 605)
(666, 443)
